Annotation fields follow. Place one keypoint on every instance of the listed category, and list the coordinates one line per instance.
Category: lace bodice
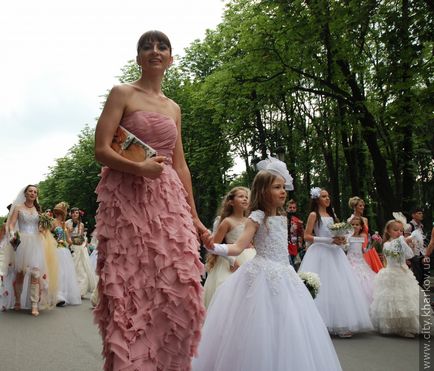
(396, 252)
(322, 229)
(271, 238)
(28, 221)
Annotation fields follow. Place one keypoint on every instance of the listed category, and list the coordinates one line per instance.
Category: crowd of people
(44, 257)
(253, 312)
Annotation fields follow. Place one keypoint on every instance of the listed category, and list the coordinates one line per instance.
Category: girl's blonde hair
(386, 234)
(226, 209)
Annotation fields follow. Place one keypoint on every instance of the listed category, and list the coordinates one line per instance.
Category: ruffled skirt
(30, 253)
(395, 308)
(150, 308)
(340, 301)
(263, 318)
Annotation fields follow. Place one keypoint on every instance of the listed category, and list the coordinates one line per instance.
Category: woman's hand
(151, 167)
(204, 234)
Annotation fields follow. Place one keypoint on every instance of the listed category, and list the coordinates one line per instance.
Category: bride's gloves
(219, 249)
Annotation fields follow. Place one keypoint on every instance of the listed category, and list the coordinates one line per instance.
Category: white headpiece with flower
(277, 167)
(315, 192)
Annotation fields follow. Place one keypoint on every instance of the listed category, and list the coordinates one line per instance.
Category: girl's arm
(223, 228)
(243, 241)
(308, 232)
(429, 248)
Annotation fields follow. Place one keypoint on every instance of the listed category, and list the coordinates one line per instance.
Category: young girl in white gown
(340, 301)
(395, 308)
(230, 225)
(263, 317)
(364, 272)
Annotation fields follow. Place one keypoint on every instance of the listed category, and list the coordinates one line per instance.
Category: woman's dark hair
(153, 35)
(35, 203)
(314, 207)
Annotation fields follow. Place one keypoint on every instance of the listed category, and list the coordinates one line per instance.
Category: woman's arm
(308, 232)
(10, 224)
(180, 166)
(105, 130)
(429, 248)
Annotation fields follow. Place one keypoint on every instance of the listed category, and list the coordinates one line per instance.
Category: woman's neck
(151, 84)
(238, 214)
(356, 213)
(29, 204)
(323, 211)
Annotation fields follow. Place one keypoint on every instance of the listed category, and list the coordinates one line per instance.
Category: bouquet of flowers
(376, 242)
(45, 221)
(340, 229)
(396, 249)
(311, 281)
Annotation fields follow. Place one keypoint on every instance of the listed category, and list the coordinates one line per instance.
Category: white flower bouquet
(340, 229)
(311, 281)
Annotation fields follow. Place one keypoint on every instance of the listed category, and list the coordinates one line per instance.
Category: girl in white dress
(85, 274)
(230, 225)
(68, 290)
(395, 308)
(340, 301)
(363, 271)
(263, 317)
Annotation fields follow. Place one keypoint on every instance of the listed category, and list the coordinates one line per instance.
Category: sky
(59, 58)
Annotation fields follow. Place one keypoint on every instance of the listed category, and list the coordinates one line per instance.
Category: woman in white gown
(228, 227)
(341, 302)
(395, 308)
(32, 284)
(68, 290)
(262, 317)
(85, 274)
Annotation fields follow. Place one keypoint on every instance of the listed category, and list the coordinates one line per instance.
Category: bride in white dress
(262, 317)
(228, 227)
(341, 302)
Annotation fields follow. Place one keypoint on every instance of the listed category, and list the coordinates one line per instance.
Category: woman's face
(31, 193)
(395, 230)
(324, 199)
(154, 55)
(75, 214)
(360, 208)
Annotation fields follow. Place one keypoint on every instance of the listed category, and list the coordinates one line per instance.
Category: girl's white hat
(277, 167)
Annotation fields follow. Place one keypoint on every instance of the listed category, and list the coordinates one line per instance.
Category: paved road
(65, 339)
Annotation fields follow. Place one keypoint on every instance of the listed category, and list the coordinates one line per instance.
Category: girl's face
(324, 199)
(277, 193)
(356, 226)
(240, 200)
(395, 230)
(31, 194)
(75, 214)
(154, 55)
(360, 208)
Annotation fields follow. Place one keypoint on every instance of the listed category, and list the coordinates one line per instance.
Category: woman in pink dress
(150, 310)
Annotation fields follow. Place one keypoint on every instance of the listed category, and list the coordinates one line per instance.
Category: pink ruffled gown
(151, 309)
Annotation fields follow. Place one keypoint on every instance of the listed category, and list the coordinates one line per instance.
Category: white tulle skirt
(69, 292)
(30, 253)
(263, 318)
(340, 301)
(395, 307)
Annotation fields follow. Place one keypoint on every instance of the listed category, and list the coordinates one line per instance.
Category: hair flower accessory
(315, 192)
(277, 167)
